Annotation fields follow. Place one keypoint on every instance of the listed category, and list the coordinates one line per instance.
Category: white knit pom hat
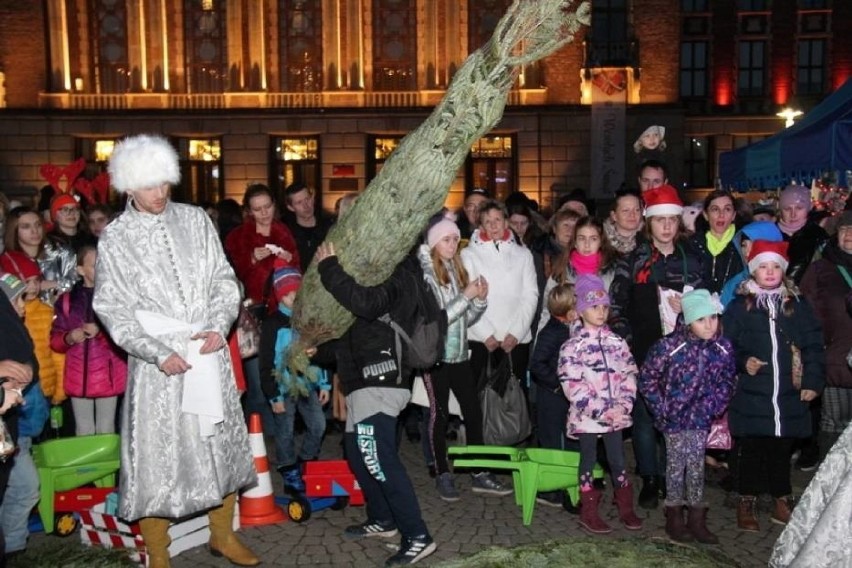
(141, 162)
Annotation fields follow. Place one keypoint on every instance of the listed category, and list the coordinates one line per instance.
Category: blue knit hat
(699, 304)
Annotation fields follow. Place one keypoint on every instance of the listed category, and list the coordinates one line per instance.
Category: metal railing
(235, 100)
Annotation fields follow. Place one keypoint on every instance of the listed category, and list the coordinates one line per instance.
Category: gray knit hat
(11, 285)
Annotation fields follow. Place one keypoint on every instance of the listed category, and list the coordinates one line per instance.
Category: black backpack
(424, 346)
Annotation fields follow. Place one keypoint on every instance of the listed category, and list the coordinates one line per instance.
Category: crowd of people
(647, 322)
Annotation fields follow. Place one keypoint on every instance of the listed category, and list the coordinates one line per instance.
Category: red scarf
(585, 263)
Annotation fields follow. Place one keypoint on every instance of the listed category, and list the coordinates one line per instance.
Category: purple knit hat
(590, 291)
(795, 194)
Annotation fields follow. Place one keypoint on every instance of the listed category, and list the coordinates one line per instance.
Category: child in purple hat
(598, 376)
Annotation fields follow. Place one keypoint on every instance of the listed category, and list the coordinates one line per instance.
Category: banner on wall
(609, 117)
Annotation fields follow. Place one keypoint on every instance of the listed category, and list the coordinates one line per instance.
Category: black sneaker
(369, 529)
(807, 462)
(550, 498)
(412, 550)
(485, 482)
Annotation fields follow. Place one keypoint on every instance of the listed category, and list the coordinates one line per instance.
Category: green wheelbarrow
(66, 464)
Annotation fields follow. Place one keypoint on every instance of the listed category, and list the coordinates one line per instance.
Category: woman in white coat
(504, 327)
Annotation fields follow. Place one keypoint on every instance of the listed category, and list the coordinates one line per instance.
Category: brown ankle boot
(589, 517)
(697, 525)
(675, 527)
(783, 510)
(623, 499)
(155, 533)
(223, 541)
(747, 514)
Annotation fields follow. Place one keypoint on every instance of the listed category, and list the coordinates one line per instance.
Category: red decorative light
(723, 92)
(781, 92)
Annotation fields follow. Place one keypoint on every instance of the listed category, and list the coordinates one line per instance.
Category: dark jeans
(649, 447)
(388, 493)
(551, 412)
(458, 378)
(764, 465)
(254, 400)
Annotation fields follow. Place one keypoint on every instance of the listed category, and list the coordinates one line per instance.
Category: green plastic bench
(533, 470)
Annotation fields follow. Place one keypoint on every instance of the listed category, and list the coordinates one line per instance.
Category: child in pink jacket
(598, 376)
(95, 368)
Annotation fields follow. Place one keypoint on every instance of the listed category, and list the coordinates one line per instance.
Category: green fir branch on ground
(596, 553)
(70, 553)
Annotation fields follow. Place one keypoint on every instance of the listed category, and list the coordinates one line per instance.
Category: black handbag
(505, 416)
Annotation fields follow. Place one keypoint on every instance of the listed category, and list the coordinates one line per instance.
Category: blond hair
(561, 300)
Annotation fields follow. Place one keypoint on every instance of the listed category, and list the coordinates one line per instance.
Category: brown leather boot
(747, 513)
(155, 533)
(696, 522)
(783, 510)
(589, 518)
(223, 541)
(623, 499)
(675, 527)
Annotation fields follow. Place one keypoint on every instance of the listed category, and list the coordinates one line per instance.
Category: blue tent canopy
(820, 142)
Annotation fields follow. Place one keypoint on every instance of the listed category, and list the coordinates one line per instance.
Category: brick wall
(656, 24)
(22, 35)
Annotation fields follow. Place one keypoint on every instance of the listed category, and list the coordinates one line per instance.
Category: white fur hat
(143, 161)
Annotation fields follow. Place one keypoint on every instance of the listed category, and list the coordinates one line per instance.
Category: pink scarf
(585, 264)
(789, 229)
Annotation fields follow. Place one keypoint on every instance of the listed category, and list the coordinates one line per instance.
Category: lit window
(205, 150)
(492, 147)
(385, 147)
(296, 149)
(103, 150)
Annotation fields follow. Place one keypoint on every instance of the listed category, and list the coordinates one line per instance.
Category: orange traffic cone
(257, 505)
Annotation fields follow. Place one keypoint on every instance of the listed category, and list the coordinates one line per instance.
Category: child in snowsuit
(687, 380)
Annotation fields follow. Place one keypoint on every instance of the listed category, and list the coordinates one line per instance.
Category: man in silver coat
(167, 295)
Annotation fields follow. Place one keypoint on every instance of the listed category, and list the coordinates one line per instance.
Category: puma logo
(385, 352)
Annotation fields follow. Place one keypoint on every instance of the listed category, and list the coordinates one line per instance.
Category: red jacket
(95, 368)
(239, 246)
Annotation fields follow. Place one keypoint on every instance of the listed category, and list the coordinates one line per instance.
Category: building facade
(321, 91)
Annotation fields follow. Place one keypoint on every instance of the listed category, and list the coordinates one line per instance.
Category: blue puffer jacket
(275, 340)
(687, 381)
(461, 312)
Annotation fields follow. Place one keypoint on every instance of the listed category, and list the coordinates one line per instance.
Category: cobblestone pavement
(464, 527)
(468, 526)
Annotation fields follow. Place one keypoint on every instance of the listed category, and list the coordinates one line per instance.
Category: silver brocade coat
(171, 264)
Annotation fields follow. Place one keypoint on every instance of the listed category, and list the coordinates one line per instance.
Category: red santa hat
(768, 251)
(662, 200)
